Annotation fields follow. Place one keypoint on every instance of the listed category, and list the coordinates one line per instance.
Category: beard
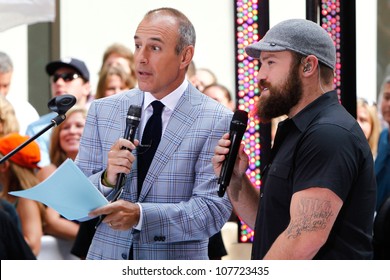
(281, 98)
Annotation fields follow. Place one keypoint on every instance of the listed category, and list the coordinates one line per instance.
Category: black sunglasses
(67, 77)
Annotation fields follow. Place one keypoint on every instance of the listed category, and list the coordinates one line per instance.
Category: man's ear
(309, 64)
(187, 55)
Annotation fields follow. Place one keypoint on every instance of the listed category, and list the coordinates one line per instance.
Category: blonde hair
(22, 178)
(56, 153)
(375, 124)
(7, 117)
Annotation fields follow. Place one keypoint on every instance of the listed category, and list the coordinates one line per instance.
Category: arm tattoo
(313, 215)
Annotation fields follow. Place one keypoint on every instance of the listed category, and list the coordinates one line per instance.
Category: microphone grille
(239, 121)
(240, 116)
(134, 115)
(134, 111)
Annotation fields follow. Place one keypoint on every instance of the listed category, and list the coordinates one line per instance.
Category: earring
(307, 67)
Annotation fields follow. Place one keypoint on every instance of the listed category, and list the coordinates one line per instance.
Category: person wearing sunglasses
(67, 76)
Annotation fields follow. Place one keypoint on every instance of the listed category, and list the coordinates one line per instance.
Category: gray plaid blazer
(180, 205)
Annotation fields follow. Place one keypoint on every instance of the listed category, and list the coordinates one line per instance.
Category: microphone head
(61, 104)
(134, 115)
(239, 121)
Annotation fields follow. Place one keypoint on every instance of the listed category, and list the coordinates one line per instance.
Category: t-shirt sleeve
(326, 157)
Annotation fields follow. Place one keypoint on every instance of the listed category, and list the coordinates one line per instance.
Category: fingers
(116, 223)
(221, 149)
(104, 210)
(120, 160)
(115, 226)
(224, 141)
(121, 142)
(119, 164)
(241, 152)
(220, 152)
(226, 136)
(243, 159)
(120, 215)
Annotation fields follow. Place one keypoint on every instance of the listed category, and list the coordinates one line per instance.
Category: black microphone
(132, 121)
(59, 104)
(237, 129)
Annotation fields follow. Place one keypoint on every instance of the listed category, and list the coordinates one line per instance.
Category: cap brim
(255, 49)
(53, 66)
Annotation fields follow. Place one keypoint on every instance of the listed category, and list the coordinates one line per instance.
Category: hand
(120, 160)
(220, 152)
(120, 215)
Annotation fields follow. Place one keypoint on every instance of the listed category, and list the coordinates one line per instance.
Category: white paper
(68, 191)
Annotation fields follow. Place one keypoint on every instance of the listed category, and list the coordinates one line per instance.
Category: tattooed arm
(313, 212)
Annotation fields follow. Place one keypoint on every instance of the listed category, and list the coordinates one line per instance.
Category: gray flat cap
(299, 35)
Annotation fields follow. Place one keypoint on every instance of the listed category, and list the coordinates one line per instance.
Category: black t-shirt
(12, 243)
(84, 238)
(322, 146)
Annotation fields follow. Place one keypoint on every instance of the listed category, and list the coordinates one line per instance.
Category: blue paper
(68, 191)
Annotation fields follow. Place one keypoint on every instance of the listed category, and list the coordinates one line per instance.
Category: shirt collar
(303, 119)
(169, 101)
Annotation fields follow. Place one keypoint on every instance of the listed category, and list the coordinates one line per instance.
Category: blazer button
(159, 238)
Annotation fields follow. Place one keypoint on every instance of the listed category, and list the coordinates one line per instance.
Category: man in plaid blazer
(178, 208)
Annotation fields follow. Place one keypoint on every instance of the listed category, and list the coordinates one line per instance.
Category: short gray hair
(6, 65)
(186, 32)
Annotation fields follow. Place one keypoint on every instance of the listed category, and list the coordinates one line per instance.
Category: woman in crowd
(118, 54)
(64, 144)
(113, 79)
(368, 119)
(8, 121)
(221, 94)
(18, 173)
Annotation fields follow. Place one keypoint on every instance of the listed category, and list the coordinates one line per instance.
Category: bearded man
(317, 197)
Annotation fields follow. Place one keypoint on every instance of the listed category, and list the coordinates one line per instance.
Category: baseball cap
(298, 35)
(28, 156)
(74, 63)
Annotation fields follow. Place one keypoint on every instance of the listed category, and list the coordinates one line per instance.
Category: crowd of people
(318, 198)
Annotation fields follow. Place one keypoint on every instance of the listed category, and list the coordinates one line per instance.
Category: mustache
(264, 84)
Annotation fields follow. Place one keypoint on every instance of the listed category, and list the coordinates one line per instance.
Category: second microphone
(237, 129)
